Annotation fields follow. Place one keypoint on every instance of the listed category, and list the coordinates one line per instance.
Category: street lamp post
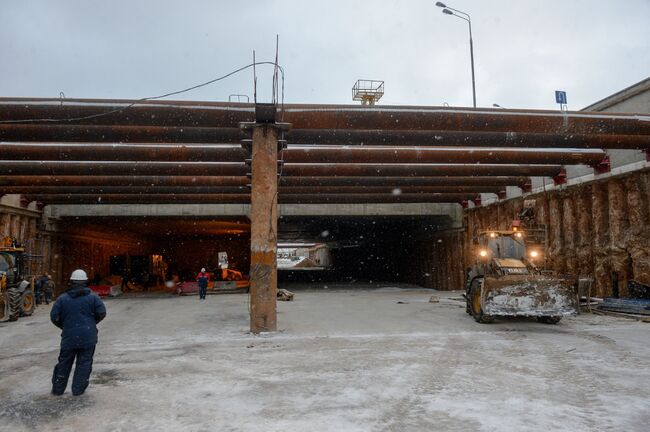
(464, 16)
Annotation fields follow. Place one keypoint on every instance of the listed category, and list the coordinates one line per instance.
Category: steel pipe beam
(118, 134)
(230, 115)
(123, 190)
(123, 152)
(461, 138)
(212, 181)
(232, 153)
(284, 190)
(229, 135)
(152, 113)
(244, 199)
(135, 180)
(418, 170)
(123, 168)
(32, 168)
(139, 198)
(451, 155)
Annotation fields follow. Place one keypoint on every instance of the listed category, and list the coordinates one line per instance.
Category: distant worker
(77, 312)
(48, 290)
(38, 293)
(203, 279)
(42, 282)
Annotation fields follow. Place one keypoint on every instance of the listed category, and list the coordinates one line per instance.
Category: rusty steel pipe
(139, 198)
(231, 135)
(331, 154)
(418, 170)
(284, 190)
(123, 190)
(452, 155)
(245, 199)
(230, 115)
(468, 120)
(118, 134)
(123, 152)
(66, 168)
(168, 181)
(152, 113)
(122, 168)
(461, 138)
(180, 181)
(376, 198)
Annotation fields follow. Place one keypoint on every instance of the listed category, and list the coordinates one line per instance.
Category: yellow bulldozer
(16, 290)
(509, 278)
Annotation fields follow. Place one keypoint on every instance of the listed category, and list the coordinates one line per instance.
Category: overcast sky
(524, 49)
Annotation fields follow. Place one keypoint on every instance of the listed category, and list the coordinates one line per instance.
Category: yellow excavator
(509, 278)
(16, 291)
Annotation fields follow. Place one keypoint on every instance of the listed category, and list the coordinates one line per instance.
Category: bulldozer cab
(11, 264)
(509, 252)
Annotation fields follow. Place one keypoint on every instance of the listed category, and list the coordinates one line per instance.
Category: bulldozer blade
(532, 296)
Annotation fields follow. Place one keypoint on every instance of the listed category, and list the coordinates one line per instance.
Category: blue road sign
(560, 97)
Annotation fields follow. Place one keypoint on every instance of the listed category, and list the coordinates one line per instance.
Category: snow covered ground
(343, 360)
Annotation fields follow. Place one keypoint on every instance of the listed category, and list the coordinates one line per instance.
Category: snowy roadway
(343, 361)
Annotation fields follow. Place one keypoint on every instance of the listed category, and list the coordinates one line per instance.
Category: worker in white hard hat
(203, 279)
(77, 313)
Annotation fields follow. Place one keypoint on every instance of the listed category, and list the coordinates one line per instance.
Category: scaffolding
(368, 92)
(35, 256)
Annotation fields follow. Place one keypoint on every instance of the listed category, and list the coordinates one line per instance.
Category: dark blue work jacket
(77, 312)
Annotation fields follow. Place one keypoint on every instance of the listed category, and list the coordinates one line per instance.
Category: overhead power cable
(139, 101)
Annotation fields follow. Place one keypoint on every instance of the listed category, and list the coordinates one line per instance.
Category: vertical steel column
(264, 225)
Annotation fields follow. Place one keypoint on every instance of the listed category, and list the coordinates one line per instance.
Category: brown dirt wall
(599, 229)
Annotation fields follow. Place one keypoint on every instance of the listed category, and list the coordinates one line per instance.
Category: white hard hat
(79, 275)
(203, 269)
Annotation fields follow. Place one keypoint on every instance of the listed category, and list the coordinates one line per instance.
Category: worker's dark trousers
(82, 370)
(202, 292)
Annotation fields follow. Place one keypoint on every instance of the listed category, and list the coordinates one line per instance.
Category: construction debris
(434, 299)
(638, 290)
(628, 306)
(285, 295)
(641, 318)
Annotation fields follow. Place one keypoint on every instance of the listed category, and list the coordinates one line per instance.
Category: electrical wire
(139, 101)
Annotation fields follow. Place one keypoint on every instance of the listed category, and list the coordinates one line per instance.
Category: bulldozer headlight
(482, 253)
(534, 254)
(519, 234)
(493, 235)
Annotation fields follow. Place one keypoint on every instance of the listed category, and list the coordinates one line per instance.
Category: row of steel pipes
(335, 153)
(74, 151)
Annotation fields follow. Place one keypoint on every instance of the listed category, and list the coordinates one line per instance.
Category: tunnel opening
(146, 254)
(361, 249)
(152, 254)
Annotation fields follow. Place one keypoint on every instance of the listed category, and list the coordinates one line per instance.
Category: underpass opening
(359, 250)
(146, 254)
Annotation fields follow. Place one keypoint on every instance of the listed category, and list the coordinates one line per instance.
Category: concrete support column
(264, 228)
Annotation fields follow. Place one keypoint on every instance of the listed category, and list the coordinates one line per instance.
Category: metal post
(471, 53)
(264, 228)
(448, 10)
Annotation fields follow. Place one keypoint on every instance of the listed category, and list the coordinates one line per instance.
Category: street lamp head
(447, 11)
(441, 4)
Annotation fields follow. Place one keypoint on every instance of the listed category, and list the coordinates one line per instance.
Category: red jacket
(206, 274)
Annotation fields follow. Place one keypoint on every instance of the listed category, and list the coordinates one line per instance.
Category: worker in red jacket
(203, 279)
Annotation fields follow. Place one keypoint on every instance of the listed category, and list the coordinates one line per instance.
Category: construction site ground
(344, 360)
